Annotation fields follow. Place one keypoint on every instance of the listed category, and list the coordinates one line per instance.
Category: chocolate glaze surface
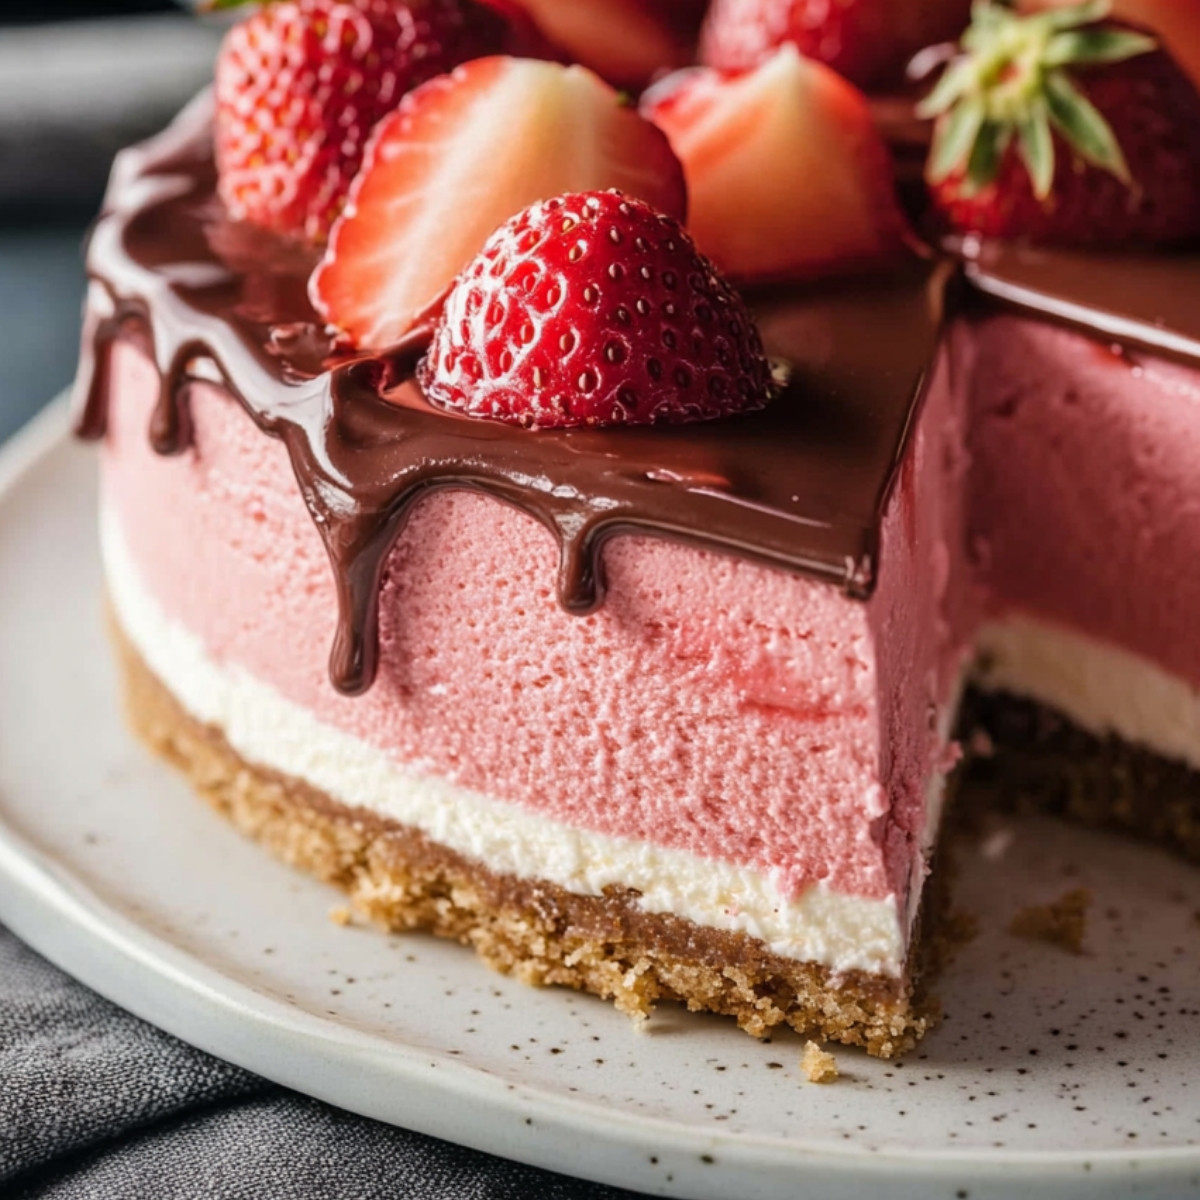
(1146, 300)
(800, 485)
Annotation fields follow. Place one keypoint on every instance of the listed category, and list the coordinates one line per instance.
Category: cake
(657, 708)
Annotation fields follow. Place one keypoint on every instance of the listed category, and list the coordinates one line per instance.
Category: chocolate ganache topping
(801, 485)
(1142, 301)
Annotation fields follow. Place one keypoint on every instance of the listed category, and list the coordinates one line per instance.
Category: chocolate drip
(800, 485)
(89, 403)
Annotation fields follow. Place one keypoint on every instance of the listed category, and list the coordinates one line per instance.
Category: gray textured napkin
(96, 1104)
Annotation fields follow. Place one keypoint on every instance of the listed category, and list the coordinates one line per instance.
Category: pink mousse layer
(712, 705)
(1085, 501)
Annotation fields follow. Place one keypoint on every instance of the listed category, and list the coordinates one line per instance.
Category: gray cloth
(95, 1103)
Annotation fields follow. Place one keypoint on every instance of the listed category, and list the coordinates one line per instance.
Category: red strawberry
(457, 158)
(787, 175)
(624, 41)
(300, 85)
(1063, 128)
(868, 41)
(594, 309)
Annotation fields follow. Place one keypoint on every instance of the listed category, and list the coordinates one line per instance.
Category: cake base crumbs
(819, 1066)
(340, 915)
(1061, 923)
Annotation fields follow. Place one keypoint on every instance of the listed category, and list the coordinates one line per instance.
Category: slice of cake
(476, 562)
(713, 787)
(1084, 435)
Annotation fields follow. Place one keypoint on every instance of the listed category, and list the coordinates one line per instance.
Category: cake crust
(541, 933)
(1038, 761)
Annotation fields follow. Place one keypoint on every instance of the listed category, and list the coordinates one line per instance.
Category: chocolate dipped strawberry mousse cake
(571, 526)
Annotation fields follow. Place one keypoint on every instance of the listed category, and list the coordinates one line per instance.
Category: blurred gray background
(77, 81)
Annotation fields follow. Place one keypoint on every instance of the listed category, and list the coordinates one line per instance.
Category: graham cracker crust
(1023, 756)
(533, 929)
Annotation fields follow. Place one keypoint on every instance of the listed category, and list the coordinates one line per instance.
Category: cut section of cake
(1084, 430)
(1068, 130)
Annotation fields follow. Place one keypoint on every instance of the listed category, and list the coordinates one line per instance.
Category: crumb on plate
(1061, 923)
(819, 1066)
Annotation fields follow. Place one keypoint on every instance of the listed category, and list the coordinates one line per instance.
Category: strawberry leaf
(954, 139)
(1011, 80)
(1083, 126)
(1080, 46)
(953, 85)
(987, 16)
(1037, 150)
(990, 144)
(1074, 16)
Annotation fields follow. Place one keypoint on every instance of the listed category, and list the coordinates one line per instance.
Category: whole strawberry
(867, 41)
(1065, 128)
(594, 309)
(301, 83)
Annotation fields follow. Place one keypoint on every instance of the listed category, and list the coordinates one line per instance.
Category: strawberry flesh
(787, 175)
(593, 309)
(458, 157)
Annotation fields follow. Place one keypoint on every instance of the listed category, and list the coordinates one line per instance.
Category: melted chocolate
(800, 485)
(1147, 300)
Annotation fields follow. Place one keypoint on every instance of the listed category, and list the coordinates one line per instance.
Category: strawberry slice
(458, 157)
(300, 85)
(594, 310)
(787, 175)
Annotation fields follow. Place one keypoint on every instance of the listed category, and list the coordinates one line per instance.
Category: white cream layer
(839, 931)
(1101, 688)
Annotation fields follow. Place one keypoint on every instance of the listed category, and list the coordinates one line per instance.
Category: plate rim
(60, 917)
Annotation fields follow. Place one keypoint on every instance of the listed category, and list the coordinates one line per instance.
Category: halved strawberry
(457, 158)
(787, 175)
(624, 41)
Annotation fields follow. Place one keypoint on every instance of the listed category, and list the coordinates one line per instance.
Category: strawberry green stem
(1013, 81)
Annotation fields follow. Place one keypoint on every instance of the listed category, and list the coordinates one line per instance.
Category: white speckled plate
(1053, 1076)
